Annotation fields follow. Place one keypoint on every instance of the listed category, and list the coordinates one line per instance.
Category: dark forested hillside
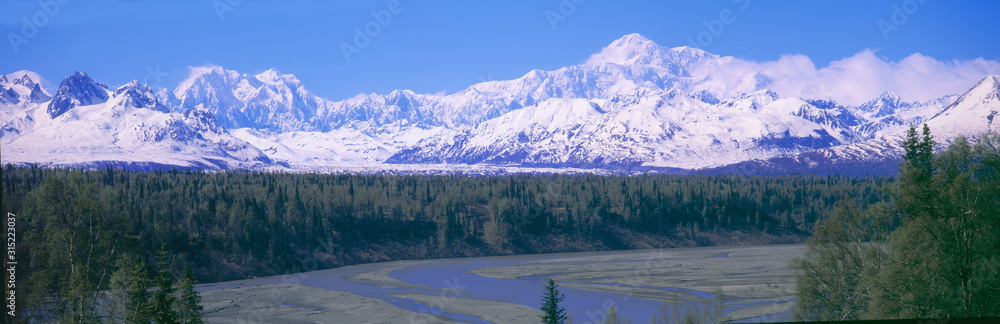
(233, 225)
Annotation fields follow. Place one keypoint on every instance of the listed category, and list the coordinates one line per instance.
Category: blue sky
(435, 46)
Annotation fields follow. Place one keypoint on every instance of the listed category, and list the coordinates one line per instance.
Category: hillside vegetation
(930, 251)
(235, 225)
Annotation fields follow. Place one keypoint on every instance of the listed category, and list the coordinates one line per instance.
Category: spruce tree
(915, 190)
(189, 307)
(162, 301)
(554, 314)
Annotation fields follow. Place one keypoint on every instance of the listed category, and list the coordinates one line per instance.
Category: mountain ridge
(634, 105)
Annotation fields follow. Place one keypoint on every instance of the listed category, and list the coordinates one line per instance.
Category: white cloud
(859, 78)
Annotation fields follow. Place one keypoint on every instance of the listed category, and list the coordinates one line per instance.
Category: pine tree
(554, 314)
(189, 307)
(916, 170)
(162, 301)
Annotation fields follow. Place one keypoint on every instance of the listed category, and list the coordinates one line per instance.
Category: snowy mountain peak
(24, 80)
(768, 93)
(274, 77)
(167, 98)
(986, 89)
(131, 84)
(77, 90)
(631, 49)
(971, 114)
(269, 100)
(992, 81)
(632, 40)
(633, 104)
(271, 73)
(27, 77)
(401, 93)
(690, 51)
(23, 86)
(134, 94)
(203, 76)
(888, 96)
(750, 101)
(885, 104)
(983, 100)
(636, 50)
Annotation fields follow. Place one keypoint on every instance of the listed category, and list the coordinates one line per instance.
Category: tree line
(236, 225)
(930, 250)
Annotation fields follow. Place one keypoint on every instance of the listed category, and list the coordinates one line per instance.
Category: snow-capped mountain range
(633, 106)
(86, 123)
